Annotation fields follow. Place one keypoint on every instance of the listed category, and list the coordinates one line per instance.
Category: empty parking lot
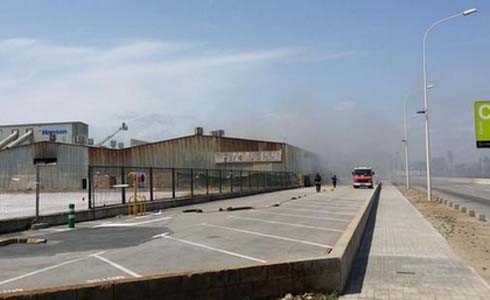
(284, 225)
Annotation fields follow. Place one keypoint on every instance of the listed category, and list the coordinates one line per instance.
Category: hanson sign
(482, 124)
(247, 157)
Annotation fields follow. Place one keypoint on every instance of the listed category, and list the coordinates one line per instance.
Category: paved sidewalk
(403, 257)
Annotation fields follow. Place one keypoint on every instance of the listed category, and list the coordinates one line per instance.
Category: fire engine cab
(362, 177)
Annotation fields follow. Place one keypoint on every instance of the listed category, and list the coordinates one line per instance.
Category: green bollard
(71, 215)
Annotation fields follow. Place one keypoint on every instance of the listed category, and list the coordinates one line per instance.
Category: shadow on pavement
(358, 272)
(86, 239)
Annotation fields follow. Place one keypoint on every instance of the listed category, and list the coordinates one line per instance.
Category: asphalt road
(173, 241)
(471, 195)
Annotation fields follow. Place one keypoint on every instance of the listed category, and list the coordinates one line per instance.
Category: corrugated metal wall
(188, 152)
(17, 169)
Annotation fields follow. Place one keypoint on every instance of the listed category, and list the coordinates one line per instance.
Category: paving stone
(403, 257)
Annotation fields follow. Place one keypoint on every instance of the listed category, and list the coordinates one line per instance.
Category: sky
(329, 76)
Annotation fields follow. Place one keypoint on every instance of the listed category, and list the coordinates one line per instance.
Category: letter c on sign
(483, 115)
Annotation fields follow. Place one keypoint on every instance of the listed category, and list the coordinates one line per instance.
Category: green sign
(482, 124)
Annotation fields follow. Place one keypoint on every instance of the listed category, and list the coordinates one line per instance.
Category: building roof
(43, 124)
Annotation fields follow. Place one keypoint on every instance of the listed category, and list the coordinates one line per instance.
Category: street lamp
(425, 111)
(405, 143)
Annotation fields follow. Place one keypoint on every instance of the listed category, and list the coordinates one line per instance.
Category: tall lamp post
(405, 143)
(425, 111)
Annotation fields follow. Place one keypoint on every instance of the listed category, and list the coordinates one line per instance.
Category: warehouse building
(71, 160)
(63, 132)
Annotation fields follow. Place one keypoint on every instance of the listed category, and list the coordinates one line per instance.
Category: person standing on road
(318, 182)
(334, 181)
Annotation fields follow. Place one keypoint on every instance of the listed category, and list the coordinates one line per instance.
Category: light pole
(425, 88)
(405, 143)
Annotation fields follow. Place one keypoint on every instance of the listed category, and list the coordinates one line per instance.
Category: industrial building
(198, 151)
(62, 132)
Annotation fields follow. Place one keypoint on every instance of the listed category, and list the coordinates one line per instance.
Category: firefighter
(334, 181)
(318, 182)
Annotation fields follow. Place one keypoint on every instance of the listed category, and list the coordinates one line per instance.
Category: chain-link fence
(44, 188)
(111, 185)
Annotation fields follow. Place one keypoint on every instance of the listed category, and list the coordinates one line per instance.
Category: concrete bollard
(71, 215)
(482, 217)
(456, 206)
(463, 209)
(445, 202)
(451, 204)
(471, 213)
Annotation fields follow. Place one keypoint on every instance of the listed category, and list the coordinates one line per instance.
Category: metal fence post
(151, 184)
(123, 189)
(220, 182)
(207, 181)
(173, 183)
(241, 179)
(38, 188)
(89, 188)
(231, 181)
(265, 179)
(192, 182)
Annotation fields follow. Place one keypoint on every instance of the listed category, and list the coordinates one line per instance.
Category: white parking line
(117, 266)
(288, 224)
(213, 249)
(42, 270)
(317, 211)
(321, 205)
(269, 236)
(301, 216)
(131, 224)
(331, 202)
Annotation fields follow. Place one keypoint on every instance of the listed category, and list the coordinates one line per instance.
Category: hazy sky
(330, 76)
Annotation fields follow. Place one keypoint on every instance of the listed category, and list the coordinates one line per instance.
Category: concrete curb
(459, 207)
(324, 274)
(350, 240)
(33, 241)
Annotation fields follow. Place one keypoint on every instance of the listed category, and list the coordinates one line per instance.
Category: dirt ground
(468, 237)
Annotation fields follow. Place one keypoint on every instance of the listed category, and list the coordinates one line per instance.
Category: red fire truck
(362, 177)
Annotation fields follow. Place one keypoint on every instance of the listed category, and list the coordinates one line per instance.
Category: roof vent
(218, 133)
(198, 131)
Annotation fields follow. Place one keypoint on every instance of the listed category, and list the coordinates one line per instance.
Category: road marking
(321, 205)
(161, 235)
(301, 216)
(164, 235)
(289, 224)
(317, 211)
(117, 266)
(131, 224)
(310, 203)
(105, 279)
(42, 270)
(269, 235)
(330, 202)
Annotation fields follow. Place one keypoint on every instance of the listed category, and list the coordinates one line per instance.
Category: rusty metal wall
(187, 152)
